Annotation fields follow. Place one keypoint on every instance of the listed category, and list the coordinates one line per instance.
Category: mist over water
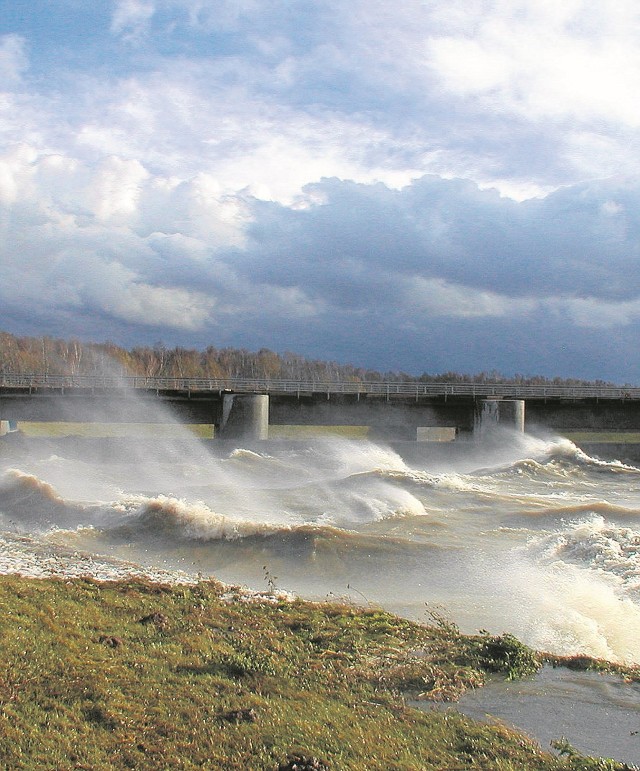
(524, 535)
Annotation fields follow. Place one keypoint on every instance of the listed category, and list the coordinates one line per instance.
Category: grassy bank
(136, 675)
(54, 430)
(603, 437)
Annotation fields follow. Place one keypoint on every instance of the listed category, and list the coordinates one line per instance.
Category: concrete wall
(396, 418)
(245, 416)
(436, 434)
(609, 415)
(127, 408)
(494, 414)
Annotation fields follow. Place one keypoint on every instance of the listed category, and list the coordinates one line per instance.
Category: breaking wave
(533, 536)
(164, 516)
(596, 544)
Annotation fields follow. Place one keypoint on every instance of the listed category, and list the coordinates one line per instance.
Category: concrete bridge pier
(492, 414)
(244, 416)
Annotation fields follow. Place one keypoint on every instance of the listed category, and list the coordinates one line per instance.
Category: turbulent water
(524, 535)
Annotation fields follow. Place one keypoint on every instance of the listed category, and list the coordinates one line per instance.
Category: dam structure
(245, 408)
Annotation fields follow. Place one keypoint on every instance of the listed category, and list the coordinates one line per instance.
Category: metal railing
(63, 383)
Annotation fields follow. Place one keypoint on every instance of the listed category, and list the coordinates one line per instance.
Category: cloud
(14, 60)
(77, 239)
(131, 17)
(116, 241)
(115, 189)
(271, 96)
(595, 313)
(435, 298)
(391, 184)
(575, 60)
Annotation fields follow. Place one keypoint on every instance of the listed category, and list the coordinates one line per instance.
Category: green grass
(307, 432)
(107, 430)
(606, 437)
(143, 676)
(170, 431)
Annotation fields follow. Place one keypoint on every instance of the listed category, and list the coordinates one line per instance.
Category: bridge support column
(492, 414)
(245, 416)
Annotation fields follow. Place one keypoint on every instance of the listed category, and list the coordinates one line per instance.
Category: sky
(404, 185)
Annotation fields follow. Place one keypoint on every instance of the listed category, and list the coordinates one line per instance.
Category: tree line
(51, 356)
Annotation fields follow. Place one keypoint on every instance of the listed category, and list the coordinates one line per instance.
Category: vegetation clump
(145, 676)
(506, 654)
(583, 663)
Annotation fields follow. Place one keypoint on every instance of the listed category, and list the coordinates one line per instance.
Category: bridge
(393, 409)
(19, 384)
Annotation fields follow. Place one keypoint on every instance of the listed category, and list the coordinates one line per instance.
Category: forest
(51, 356)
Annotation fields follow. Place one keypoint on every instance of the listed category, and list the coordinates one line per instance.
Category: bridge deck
(17, 384)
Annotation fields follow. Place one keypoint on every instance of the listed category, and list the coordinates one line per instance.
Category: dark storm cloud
(577, 242)
(439, 271)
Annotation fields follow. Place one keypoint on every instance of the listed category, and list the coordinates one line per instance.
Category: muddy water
(597, 714)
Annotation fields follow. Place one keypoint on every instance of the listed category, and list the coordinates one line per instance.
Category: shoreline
(454, 664)
(135, 673)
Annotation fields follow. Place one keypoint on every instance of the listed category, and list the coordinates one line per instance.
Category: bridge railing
(39, 382)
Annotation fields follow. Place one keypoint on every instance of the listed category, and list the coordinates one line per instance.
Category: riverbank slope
(135, 674)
